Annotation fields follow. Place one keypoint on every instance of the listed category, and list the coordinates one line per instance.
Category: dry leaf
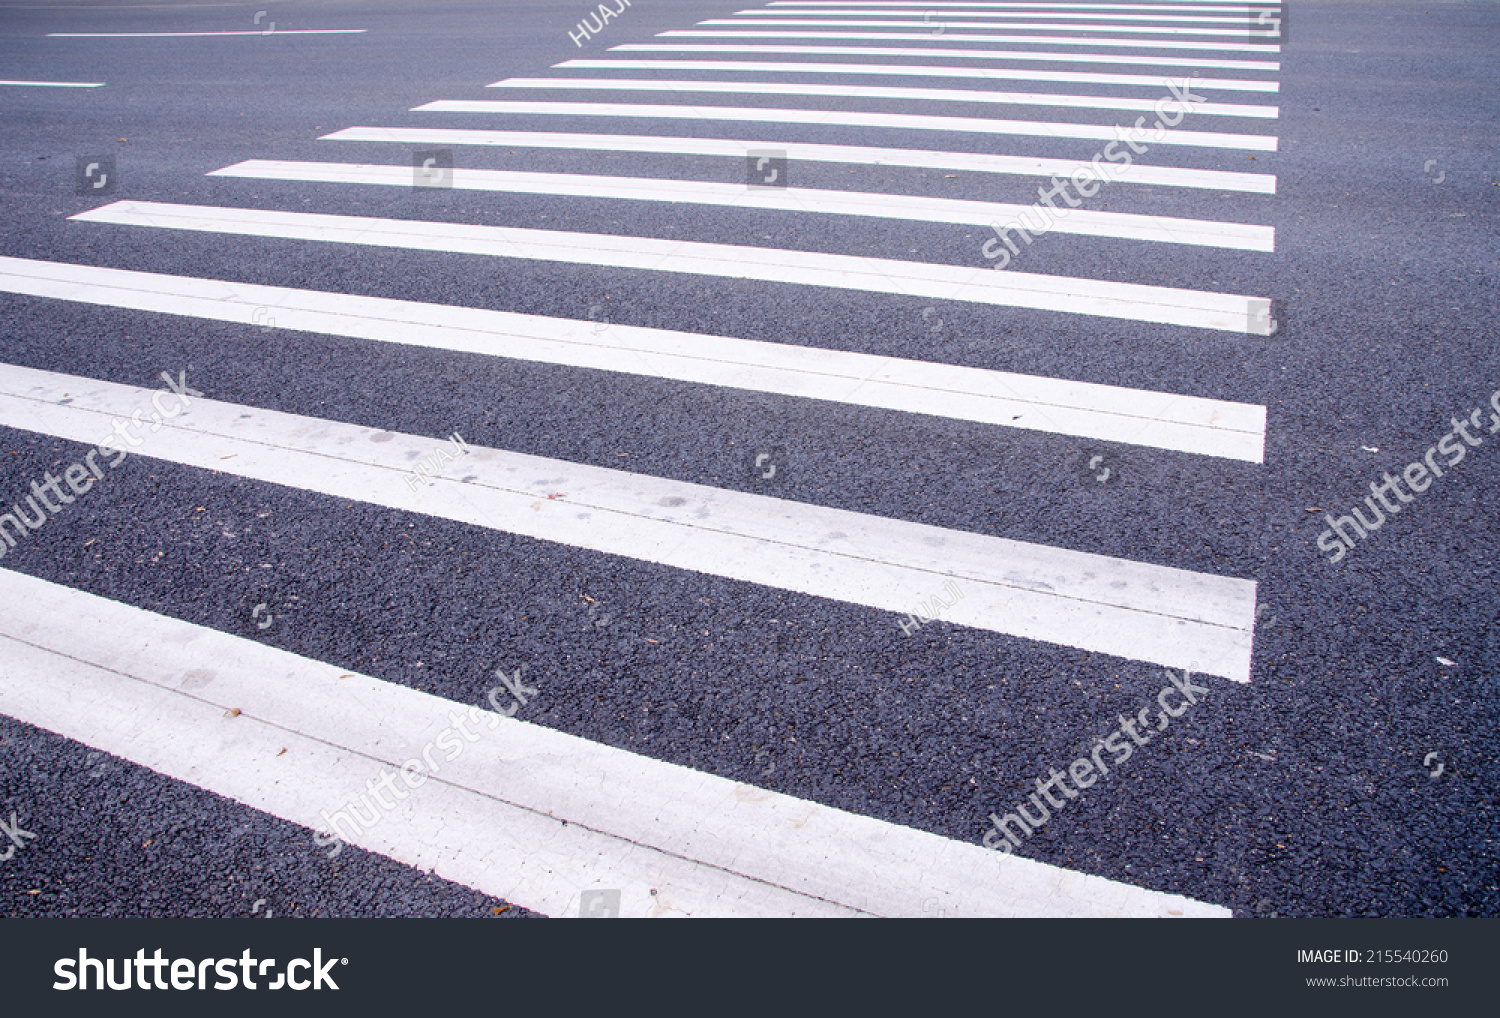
(557, 495)
(232, 712)
(283, 750)
(500, 908)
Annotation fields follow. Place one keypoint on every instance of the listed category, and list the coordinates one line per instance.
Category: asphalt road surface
(668, 483)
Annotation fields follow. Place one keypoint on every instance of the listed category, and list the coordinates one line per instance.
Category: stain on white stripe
(1138, 59)
(914, 71)
(1084, 102)
(1107, 605)
(1131, 301)
(1208, 427)
(914, 208)
(1026, 166)
(842, 118)
(1049, 40)
(524, 813)
(55, 84)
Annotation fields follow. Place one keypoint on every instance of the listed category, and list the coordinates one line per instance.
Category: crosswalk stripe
(1081, 222)
(782, 4)
(1128, 301)
(844, 118)
(519, 811)
(1047, 40)
(1134, 610)
(55, 84)
(1175, 6)
(1190, 424)
(1238, 33)
(909, 70)
(1000, 16)
(1088, 102)
(1124, 59)
(1136, 173)
(170, 35)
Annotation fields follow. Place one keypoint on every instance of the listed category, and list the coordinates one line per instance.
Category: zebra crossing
(1134, 610)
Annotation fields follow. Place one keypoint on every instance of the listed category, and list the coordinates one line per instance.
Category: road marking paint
(1028, 166)
(172, 35)
(1003, 19)
(55, 84)
(1081, 222)
(1208, 427)
(523, 812)
(1141, 59)
(844, 118)
(1128, 301)
(1135, 610)
(955, 37)
(1238, 33)
(908, 70)
(1087, 102)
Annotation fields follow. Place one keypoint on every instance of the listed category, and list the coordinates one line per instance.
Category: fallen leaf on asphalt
(232, 712)
(501, 908)
(35, 890)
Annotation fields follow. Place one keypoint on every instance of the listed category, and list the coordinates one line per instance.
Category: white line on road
(844, 118)
(55, 84)
(521, 812)
(1190, 424)
(171, 35)
(1087, 102)
(781, 4)
(954, 37)
(909, 70)
(915, 208)
(1238, 33)
(1065, 294)
(1243, 18)
(1133, 610)
(1126, 59)
(1026, 166)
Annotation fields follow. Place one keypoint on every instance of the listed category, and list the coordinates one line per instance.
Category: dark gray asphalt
(1302, 794)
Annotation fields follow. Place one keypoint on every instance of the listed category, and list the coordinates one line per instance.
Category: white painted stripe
(1136, 173)
(1208, 427)
(1172, 617)
(844, 118)
(953, 37)
(781, 4)
(1161, 84)
(1124, 59)
(170, 35)
(999, 16)
(914, 208)
(1127, 301)
(1064, 6)
(1087, 102)
(523, 812)
(1238, 33)
(55, 84)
